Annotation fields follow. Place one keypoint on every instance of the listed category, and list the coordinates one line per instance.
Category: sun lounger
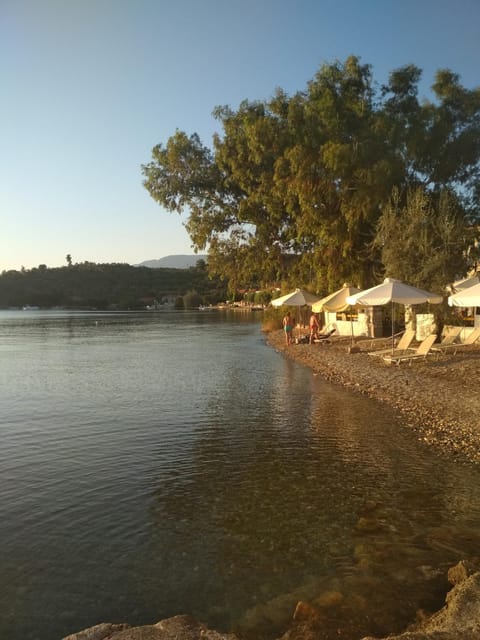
(421, 352)
(469, 341)
(401, 348)
(448, 341)
(324, 336)
(373, 342)
(471, 338)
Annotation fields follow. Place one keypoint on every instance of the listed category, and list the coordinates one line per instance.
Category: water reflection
(182, 466)
(331, 502)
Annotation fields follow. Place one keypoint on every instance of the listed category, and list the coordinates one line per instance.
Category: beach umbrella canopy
(465, 283)
(469, 297)
(297, 298)
(336, 301)
(391, 291)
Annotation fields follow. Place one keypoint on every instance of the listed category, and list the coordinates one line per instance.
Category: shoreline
(436, 397)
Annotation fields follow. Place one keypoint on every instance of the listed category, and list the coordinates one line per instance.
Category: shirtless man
(288, 327)
(313, 327)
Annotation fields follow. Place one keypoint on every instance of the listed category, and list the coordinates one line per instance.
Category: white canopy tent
(391, 291)
(465, 283)
(469, 297)
(336, 301)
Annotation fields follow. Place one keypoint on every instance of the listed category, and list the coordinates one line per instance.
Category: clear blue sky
(88, 87)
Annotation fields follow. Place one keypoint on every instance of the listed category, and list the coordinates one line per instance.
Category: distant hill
(174, 262)
(105, 286)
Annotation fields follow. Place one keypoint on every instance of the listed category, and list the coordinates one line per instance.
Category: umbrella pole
(393, 324)
(351, 326)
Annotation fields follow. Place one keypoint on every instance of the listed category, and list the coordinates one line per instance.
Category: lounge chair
(401, 348)
(324, 336)
(448, 341)
(469, 340)
(421, 352)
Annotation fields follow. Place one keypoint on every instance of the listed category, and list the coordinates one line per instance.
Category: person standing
(288, 327)
(314, 326)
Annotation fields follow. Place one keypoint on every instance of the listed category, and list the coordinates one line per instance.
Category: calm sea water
(156, 464)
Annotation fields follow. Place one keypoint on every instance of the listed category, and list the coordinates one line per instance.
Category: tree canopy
(294, 189)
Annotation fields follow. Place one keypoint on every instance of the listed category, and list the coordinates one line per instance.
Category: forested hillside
(105, 286)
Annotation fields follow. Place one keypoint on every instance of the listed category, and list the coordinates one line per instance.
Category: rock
(176, 628)
(305, 612)
(369, 506)
(460, 572)
(459, 619)
(461, 613)
(187, 628)
(367, 525)
(329, 599)
(98, 632)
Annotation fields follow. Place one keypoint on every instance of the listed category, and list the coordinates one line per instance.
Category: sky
(89, 87)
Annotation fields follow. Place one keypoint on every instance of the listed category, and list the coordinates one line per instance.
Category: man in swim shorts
(288, 328)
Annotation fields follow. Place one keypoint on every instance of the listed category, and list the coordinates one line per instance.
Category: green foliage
(262, 297)
(293, 189)
(104, 286)
(272, 318)
(423, 238)
(192, 300)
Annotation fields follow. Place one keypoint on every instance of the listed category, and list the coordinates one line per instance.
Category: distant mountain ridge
(174, 262)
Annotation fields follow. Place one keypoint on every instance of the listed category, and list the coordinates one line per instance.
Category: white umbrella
(297, 298)
(469, 297)
(393, 291)
(336, 301)
(465, 283)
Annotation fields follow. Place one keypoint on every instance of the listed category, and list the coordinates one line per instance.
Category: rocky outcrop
(458, 619)
(176, 628)
(98, 632)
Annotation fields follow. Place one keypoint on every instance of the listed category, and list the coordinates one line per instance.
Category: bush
(272, 318)
(192, 300)
(262, 297)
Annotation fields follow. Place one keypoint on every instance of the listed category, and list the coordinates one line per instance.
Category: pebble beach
(437, 396)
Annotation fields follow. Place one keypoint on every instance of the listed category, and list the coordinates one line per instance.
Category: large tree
(294, 187)
(423, 238)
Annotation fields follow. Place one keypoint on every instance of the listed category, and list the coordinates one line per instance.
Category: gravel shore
(438, 397)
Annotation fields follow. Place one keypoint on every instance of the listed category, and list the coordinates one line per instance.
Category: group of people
(289, 323)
